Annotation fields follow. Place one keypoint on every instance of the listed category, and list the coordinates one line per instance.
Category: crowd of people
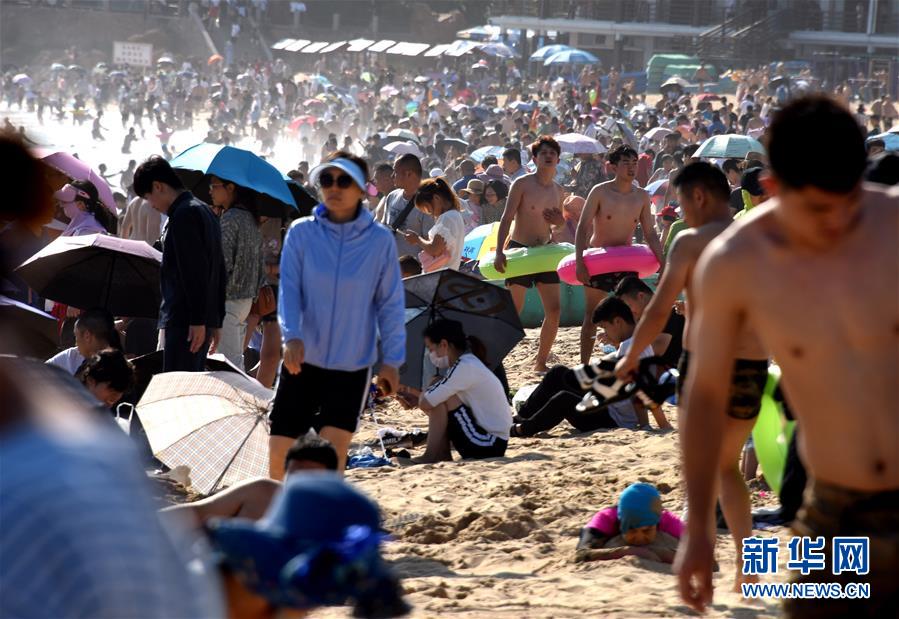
(765, 248)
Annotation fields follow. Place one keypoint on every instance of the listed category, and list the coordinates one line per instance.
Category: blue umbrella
(731, 145)
(500, 50)
(548, 50)
(571, 56)
(890, 140)
(241, 167)
(484, 151)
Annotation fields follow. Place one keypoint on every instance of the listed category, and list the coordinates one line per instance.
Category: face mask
(70, 209)
(441, 363)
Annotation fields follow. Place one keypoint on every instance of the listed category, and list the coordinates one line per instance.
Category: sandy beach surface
(495, 538)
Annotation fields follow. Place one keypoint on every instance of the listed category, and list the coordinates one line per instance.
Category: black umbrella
(25, 331)
(777, 80)
(305, 200)
(96, 270)
(461, 146)
(485, 311)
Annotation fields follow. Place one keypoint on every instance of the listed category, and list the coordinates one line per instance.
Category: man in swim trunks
(814, 272)
(535, 205)
(613, 210)
(704, 194)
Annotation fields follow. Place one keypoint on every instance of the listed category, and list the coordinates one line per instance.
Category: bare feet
(743, 578)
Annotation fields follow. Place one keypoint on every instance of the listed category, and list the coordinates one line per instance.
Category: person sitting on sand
(467, 408)
(638, 526)
(252, 497)
(108, 375)
(94, 331)
(562, 388)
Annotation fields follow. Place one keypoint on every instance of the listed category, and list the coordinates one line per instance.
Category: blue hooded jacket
(341, 291)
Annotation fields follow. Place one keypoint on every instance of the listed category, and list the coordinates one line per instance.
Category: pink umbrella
(76, 169)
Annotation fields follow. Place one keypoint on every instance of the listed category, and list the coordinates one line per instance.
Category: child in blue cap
(637, 526)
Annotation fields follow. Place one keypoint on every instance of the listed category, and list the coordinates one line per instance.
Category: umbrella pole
(236, 452)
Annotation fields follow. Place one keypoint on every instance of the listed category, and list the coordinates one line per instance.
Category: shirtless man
(613, 210)
(703, 192)
(814, 273)
(535, 205)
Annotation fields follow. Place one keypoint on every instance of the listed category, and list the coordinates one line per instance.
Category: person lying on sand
(250, 498)
(561, 391)
(636, 527)
(467, 408)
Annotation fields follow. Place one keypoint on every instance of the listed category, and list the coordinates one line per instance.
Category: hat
(494, 172)
(639, 506)
(750, 182)
(346, 165)
(435, 172)
(474, 186)
(317, 545)
(668, 211)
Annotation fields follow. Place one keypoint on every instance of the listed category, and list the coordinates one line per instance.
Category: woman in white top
(443, 247)
(467, 408)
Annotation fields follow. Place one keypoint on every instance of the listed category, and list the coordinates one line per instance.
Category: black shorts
(528, 281)
(747, 385)
(608, 281)
(470, 439)
(316, 398)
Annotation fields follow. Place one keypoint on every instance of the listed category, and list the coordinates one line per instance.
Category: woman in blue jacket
(341, 297)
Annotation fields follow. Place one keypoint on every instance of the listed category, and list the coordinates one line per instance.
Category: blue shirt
(341, 292)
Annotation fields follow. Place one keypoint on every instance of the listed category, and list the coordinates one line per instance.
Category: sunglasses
(343, 181)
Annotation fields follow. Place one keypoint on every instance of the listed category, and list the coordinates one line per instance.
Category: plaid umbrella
(213, 422)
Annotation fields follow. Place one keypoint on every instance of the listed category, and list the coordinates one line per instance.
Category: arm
(390, 300)
(290, 289)
(432, 248)
(513, 203)
(584, 226)
(717, 314)
(649, 229)
(673, 280)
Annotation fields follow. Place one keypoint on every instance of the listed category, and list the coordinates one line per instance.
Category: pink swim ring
(601, 260)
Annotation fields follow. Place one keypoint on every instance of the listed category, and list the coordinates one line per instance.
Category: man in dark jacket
(193, 268)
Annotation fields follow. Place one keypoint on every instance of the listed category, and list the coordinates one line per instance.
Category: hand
(554, 216)
(216, 338)
(680, 307)
(294, 352)
(581, 272)
(388, 379)
(411, 237)
(693, 564)
(499, 263)
(626, 368)
(196, 335)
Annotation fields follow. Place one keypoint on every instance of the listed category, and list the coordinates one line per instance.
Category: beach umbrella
(321, 80)
(708, 96)
(441, 146)
(388, 91)
(579, 144)
(21, 79)
(674, 83)
(57, 67)
(76, 68)
(215, 423)
(404, 134)
(306, 119)
(459, 107)
(730, 145)
(194, 165)
(214, 59)
(890, 139)
(657, 188)
(485, 311)
(403, 148)
(28, 332)
(480, 241)
(318, 103)
(571, 56)
(657, 133)
(97, 270)
(498, 50)
(485, 151)
(165, 60)
(626, 132)
(76, 169)
(422, 79)
(778, 80)
(548, 50)
(117, 74)
(522, 106)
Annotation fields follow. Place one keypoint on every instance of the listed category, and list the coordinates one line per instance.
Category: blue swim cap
(639, 506)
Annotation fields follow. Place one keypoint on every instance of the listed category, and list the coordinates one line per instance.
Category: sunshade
(571, 56)
(78, 170)
(579, 144)
(730, 145)
(548, 50)
(26, 331)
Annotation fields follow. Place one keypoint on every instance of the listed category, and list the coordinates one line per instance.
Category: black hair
(631, 286)
(512, 154)
(611, 308)
(883, 169)
(436, 187)
(94, 206)
(619, 152)
(467, 163)
(689, 149)
(730, 164)
(796, 139)
(488, 161)
(411, 163)
(101, 324)
(409, 265)
(706, 176)
(453, 332)
(500, 188)
(383, 167)
(872, 143)
(313, 448)
(545, 140)
(155, 169)
(109, 366)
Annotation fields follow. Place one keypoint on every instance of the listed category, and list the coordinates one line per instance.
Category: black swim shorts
(316, 398)
(608, 281)
(470, 439)
(746, 387)
(529, 281)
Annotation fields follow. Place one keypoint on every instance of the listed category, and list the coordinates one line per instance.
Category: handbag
(265, 302)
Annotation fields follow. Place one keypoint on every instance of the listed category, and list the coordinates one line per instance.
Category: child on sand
(637, 526)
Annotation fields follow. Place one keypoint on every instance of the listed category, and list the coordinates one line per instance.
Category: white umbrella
(403, 148)
(657, 133)
(212, 422)
(579, 144)
(731, 145)
(389, 91)
(405, 134)
(21, 79)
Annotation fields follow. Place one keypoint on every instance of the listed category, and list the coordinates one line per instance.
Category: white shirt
(450, 226)
(626, 346)
(480, 391)
(624, 413)
(69, 360)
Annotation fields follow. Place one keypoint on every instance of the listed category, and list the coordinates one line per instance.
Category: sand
(495, 537)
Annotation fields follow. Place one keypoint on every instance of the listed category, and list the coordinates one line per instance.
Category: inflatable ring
(600, 260)
(772, 433)
(525, 260)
